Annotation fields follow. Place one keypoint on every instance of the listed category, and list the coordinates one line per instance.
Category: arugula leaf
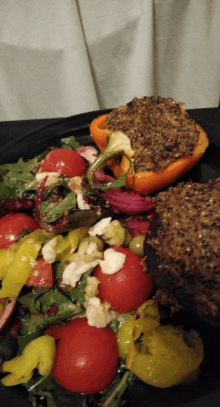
(55, 395)
(6, 191)
(77, 294)
(54, 296)
(118, 183)
(32, 301)
(70, 142)
(52, 213)
(36, 323)
(16, 177)
(59, 269)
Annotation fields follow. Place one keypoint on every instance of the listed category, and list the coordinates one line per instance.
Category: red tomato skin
(68, 162)
(56, 331)
(86, 357)
(128, 288)
(12, 225)
(41, 275)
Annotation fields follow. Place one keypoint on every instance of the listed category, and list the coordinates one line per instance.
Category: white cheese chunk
(74, 271)
(52, 177)
(81, 201)
(113, 261)
(98, 314)
(77, 187)
(99, 227)
(48, 250)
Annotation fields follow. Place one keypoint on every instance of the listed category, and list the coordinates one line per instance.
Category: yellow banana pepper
(161, 356)
(18, 263)
(68, 245)
(6, 258)
(39, 354)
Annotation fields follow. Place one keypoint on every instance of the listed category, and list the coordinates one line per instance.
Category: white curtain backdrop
(64, 57)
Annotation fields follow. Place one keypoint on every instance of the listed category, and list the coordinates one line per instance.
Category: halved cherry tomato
(12, 225)
(67, 162)
(86, 357)
(41, 275)
(128, 288)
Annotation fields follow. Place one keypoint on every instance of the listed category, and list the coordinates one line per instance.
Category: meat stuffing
(187, 243)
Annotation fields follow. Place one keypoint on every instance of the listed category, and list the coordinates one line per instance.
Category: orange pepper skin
(100, 136)
(146, 183)
(98, 132)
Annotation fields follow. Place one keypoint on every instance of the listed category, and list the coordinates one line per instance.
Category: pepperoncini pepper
(161, 356)
(68, 245)
(39, 353)
(18, 263)
(7, 256)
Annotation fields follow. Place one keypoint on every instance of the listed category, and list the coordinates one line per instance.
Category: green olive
(137, 245)
(128, 239)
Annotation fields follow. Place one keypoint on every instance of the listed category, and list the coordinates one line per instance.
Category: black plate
(27, 139)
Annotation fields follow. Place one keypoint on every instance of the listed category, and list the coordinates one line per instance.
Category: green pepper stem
(118, 144)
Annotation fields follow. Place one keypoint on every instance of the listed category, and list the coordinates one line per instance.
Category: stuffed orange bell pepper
(148, 182)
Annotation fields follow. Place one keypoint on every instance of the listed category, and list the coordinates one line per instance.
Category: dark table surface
(12, 129)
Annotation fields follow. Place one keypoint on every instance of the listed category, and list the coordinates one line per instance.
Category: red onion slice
(127, 203)
(8, 311)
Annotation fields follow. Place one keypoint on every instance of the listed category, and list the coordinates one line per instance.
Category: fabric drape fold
(63, 58)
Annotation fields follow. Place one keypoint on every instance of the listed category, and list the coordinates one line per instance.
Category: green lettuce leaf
(51, 213)
(16, 177)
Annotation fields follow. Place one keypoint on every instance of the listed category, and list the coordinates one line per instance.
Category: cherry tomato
(56, 331)
(68, 162)
(41, 275)
(128, 288)
(12, 225)
(86, 357)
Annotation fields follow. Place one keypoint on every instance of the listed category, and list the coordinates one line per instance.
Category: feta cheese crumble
(77, 187)
(48, 250)
(73, 272)
(52, 177)
(98, 314)
(81, 202)
(113, 261)
(99, 227)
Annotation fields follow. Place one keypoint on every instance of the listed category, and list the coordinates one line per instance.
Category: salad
(79, 322)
